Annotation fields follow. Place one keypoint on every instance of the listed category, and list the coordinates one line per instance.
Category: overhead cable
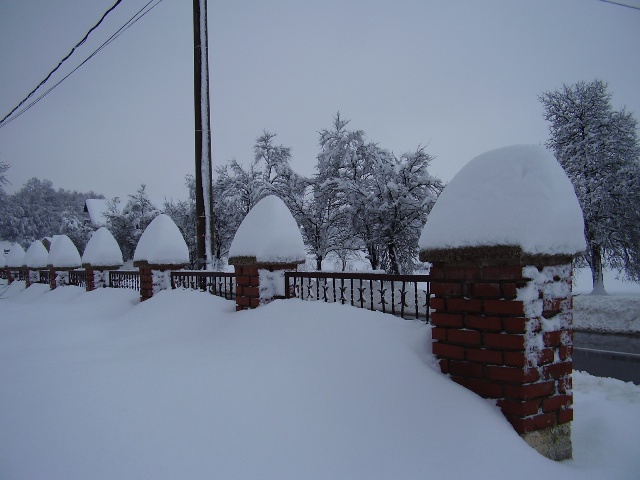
(137, 16)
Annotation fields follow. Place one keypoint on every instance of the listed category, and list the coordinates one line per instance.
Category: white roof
(513, 196)
(63, 253)
(36, 256)
(102, 250)
(162, 244)
(269, 233)
(97, 208)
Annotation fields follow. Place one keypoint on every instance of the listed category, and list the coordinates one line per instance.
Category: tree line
(364, 198)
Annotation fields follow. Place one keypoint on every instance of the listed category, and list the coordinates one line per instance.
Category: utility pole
(204, 199)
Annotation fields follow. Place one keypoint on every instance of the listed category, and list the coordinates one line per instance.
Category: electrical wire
(634, 7)
(137, 16)
(84, 39)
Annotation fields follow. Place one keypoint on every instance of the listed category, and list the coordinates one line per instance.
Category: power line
(137, 16)
(634, 7)
(84, 39)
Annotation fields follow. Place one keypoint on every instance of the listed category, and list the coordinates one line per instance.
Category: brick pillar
(146, 283)
(52, 278)
(502, 327)
(89, 281)
(259, 283)
(27, 277)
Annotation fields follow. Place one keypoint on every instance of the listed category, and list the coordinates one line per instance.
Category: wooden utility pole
(204, 199)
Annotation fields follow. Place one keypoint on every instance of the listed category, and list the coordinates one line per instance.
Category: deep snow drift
(97, 385)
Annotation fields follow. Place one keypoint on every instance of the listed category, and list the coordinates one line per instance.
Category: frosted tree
(128, 225)
(38, 210)
(402, 195)
(3, 176)
(183, 213)
(598, 149)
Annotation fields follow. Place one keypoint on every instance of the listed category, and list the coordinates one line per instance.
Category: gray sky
(461, 77)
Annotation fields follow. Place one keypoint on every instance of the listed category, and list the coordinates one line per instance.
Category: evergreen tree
(598, 149)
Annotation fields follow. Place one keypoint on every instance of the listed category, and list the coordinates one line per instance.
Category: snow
(15, 257)
(269, 233)
(102, 250)
(162, 244)
(36, 256)
(607, 313)
(97, 209)
(514, 196)
(63, 253)
(98, 385)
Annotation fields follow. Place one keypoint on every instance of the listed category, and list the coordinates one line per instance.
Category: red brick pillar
(27, 277)
(502, 327)
(259, 283)
(89, 281)
(52, 278)
(146, 283)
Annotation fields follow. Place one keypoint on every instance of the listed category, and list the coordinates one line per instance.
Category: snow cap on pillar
(268, 235)
(63, 253)
(517, 197)
(15, 257)
(36, 256)
(102, 250)
(161, 244)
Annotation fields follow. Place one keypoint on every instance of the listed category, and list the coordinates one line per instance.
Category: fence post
(501, 239)
(161, 248)
(267, 243)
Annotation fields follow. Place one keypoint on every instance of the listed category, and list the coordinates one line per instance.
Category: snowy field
(99, 386)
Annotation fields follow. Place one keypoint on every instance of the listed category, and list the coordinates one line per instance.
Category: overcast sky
(461, 77)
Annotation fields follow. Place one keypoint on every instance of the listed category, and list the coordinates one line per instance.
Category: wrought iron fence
(405, 296)
(43, 276)
(221, 284)
(78, 278)
(124, 279)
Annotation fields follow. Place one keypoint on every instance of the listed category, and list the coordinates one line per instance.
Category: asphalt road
(607, 355)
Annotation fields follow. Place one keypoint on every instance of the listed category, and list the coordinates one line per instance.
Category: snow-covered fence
(124, 279)
(405, 296)
(221, 284)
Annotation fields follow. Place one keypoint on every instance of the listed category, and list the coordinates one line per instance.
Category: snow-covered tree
(183, 214)
(128, 225)
(598, 149)
(3, 176)
(403, 193)
(38, 210)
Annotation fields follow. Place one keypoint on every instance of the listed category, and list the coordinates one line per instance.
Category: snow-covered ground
(618, 312)
(97, 385)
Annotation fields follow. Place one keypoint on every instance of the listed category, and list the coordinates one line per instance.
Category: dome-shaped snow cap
(268, 235)
(63, 253)
(15, 257)
(517, 196)
(161, 244)
(36, 256)
(102, 250)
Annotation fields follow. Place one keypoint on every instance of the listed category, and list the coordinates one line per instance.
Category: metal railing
(78, 278)
(405, 296)
(124, 279)
(221, 284)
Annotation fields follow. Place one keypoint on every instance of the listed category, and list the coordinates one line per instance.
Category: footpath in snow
(98, 385)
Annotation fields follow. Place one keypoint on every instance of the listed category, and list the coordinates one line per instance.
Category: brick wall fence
(503, 329)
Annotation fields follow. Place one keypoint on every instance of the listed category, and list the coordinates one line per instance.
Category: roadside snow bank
(607, 313)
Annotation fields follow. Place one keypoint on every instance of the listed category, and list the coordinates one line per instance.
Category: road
(608, 355)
